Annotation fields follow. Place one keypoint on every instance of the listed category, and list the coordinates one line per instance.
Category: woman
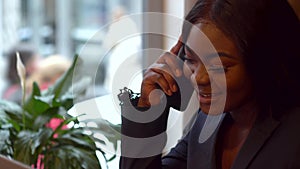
(248, 88)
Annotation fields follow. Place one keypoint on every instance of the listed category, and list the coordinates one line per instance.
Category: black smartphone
(181, 53)
(184, 85)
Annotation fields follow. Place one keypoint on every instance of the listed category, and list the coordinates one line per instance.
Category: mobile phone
(185, 87)
(181, 53)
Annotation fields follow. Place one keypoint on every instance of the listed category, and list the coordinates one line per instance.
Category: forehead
(206, 38)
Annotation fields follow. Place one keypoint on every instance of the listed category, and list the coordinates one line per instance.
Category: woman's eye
(217, 68)
(188, 60)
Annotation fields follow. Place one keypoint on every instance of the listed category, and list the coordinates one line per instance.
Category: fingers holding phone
(161, 75)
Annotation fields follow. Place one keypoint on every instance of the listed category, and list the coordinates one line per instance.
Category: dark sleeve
(177, 158)
(150, 150)
(142, 143)
(144, 137)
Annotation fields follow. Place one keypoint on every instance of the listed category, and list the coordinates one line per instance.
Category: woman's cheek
(187, 71)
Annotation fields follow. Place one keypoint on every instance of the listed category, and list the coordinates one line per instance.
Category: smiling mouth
(205, 95)
(207, 98)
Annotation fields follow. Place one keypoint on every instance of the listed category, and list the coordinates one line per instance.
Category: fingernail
(169, 92)
(178, 72)
(174, 87)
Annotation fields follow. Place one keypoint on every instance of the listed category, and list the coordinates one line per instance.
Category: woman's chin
(206, 108)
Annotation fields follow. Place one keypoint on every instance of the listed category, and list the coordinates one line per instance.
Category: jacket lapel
(259, 134)
(202, 144)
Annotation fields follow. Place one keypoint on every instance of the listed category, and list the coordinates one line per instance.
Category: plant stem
(23, 104)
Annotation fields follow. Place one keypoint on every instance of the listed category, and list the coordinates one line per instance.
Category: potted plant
(26, 134)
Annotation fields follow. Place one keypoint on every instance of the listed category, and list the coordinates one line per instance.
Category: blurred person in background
(30, 58)
(48, 71)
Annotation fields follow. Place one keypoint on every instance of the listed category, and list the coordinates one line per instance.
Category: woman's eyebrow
(211, 55)
(219, 54)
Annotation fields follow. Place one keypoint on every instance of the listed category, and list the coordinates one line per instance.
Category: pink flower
(54, 123)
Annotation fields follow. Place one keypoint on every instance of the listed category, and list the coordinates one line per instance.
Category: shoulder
(291, 120)
(289, 127)
(282, 147)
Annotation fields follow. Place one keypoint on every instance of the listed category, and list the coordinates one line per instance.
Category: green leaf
(5, 143)
(111, 131)
(61, 131)
(35, 90)
(77, 138)
(78, 88)
(74, 157)
(45, 118)
(67, 101)
(73, 149)
(12, 113)
(15, 124)
(36, 105)
(64, 82)
(30, 144)
(11, 109)
(63, 112)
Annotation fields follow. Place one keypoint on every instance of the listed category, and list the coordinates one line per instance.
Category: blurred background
(62, 28)
(48, 33)
(45, 28)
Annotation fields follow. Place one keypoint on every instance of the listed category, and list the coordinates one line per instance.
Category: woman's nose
(200, 76)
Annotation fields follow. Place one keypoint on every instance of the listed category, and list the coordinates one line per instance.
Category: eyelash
(214, 68)
(217, 68)
(187, 60)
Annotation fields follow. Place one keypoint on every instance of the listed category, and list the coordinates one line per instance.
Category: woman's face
(216, 70)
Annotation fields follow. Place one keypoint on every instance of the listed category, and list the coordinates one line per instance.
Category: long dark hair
(265, 33)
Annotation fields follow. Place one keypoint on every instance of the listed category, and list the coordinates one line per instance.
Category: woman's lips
(206, 98)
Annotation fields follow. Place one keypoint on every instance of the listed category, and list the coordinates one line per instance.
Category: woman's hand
(160, 75)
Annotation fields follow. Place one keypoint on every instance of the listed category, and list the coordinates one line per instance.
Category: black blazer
(271, 143)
